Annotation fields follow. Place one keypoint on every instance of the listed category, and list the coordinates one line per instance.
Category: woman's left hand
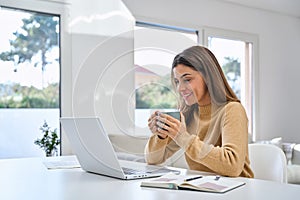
(170, 126)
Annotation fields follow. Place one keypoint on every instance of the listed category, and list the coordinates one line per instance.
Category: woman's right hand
(152, 124)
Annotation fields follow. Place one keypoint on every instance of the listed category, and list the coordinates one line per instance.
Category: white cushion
(293, 174)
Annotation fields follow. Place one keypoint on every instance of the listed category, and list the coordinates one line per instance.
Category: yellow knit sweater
(215, 141)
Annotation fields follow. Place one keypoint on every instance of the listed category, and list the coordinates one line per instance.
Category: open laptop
(95, 153)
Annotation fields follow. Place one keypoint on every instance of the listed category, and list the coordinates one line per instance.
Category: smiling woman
(191, 85)
(213, 130)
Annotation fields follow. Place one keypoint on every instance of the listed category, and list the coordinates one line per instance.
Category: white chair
(268, 162)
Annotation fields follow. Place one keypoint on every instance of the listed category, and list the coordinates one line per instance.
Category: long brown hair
(204, 61)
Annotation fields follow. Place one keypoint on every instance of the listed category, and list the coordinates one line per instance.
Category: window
(29, 80)
(154, 51)
(236, 55)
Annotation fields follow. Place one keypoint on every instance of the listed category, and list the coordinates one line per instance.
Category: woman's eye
(187, 80)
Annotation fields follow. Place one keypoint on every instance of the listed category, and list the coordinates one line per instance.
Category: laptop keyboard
(131, 171)
(150, 170)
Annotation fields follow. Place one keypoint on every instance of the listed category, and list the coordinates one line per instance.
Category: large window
(29, 79)
(236, 55)
(153, 57)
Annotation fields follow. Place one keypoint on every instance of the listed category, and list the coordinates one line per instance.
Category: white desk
(29, 179)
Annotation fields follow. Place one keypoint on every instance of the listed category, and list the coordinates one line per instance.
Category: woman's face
(190, 85)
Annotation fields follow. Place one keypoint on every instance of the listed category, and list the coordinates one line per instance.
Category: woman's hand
(170, 126)
(152, 124)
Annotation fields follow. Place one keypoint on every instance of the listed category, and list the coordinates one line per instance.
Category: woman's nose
(181, 86)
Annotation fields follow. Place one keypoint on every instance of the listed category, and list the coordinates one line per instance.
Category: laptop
(95, 153)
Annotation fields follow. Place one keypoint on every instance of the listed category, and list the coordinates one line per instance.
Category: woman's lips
(186, 95)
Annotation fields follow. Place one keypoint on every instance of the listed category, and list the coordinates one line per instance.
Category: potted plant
(49, 141)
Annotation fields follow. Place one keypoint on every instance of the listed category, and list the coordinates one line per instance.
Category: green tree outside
(232, 71)
(232, 66)
(30, 97)
(157, 95)
(36, 38)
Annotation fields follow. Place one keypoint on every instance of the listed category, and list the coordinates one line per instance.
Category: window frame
(253, 77)
(59, 9)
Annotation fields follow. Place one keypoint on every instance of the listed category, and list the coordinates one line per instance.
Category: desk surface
(28, 178)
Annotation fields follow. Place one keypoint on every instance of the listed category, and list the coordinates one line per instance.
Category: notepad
(214, 184)
(61, 164)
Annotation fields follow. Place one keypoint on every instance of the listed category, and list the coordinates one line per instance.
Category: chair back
(268, 162)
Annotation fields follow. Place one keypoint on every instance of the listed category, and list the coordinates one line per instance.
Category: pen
(193, 178)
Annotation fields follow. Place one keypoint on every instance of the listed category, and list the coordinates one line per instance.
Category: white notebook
(214, 184)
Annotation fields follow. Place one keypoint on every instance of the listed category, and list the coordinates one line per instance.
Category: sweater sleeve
(227, 159)
(159, 150)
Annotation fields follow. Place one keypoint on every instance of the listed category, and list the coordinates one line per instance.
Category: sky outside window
(12, 21)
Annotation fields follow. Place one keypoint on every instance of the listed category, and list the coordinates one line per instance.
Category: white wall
(279, 48)
(101, 35)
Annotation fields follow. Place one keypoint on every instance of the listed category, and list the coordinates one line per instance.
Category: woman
(213, 130)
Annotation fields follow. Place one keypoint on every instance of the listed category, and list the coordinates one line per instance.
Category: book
(216, 184)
